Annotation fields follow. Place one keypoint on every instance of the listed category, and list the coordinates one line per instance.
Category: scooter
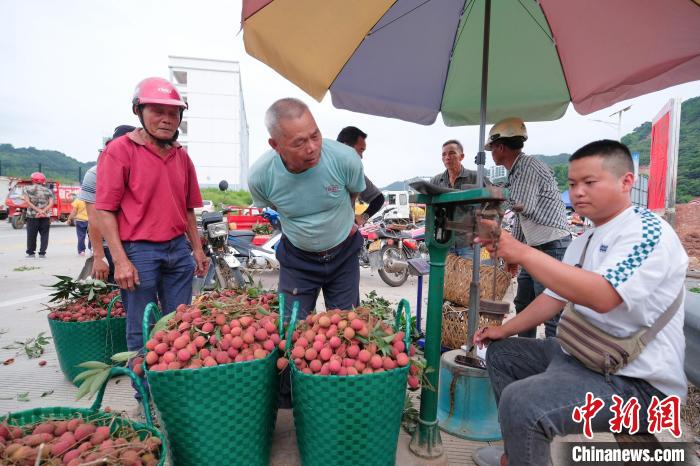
(254, 257)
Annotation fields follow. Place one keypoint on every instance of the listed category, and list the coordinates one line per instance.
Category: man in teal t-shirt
(313, 183)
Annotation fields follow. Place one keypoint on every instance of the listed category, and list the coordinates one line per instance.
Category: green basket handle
(292, 325)
(116, 372)
(111, 305)
(280, 321)
(151, 308)
(406, 307)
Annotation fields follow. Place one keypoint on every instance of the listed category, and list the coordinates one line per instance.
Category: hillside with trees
(639, 140)
(22, 161)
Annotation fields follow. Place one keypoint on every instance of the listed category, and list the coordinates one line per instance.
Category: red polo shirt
(150, 194)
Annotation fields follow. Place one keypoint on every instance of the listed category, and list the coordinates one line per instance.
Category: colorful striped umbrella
(412, 59)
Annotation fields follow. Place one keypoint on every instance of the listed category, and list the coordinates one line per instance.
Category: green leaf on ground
(25, 268)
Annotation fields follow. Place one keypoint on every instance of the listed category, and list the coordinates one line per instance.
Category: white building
(214, 129)
(497, 173)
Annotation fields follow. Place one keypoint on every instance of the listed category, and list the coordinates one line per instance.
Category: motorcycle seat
(237, 233)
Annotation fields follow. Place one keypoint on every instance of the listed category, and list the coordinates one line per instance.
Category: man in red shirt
(145, 200)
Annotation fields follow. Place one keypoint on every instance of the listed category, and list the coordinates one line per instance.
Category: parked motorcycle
(387, 250)
(226, 266)
(254, 257)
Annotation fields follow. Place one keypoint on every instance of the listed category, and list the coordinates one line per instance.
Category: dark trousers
(529, 288)
(81, 229)
(40, 226)
(537, 387)
(304, 274)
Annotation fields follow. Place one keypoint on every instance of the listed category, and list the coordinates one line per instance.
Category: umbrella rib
(458, 33)
(536, 22)
(556, 49)
(463, 24)
(398, 17)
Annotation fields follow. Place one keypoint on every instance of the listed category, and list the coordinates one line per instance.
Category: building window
(180, 77)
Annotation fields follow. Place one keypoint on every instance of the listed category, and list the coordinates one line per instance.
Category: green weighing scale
(468, 411)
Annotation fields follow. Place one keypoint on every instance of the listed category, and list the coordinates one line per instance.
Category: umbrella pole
(426, 441)
(480, 162)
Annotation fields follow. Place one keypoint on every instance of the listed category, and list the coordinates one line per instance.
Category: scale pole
(480, 161)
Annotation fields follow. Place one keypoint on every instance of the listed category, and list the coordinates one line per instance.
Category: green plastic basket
(93, 413)
(216, 415)
(97, 340)
(343, 420)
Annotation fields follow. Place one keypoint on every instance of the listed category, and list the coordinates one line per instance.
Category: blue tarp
(565, 198)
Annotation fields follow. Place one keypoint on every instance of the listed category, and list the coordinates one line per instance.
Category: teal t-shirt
(314, 205)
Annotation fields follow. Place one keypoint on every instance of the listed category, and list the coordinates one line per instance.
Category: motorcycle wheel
(228, 278)
(17, 222)
(393, 278)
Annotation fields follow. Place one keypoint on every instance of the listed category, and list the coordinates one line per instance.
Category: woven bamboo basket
(458, 275)
(455, 324)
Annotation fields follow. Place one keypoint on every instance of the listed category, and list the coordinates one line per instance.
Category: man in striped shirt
(540, 219)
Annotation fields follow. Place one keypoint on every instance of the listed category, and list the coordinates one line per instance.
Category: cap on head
(506, 128)
(121, 130)
(156, 91)
(38, 177)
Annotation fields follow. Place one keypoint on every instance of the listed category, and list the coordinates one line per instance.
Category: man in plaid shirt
(540, 214)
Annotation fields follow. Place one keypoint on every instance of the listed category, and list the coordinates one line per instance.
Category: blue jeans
(529, 288)
(466, 252)
(537, 386)
(81, 228)
(165, 273)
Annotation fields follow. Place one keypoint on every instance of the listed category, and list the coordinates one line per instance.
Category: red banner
(659, 163)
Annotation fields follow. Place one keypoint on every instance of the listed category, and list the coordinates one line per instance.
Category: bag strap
(663, 319)
(583, 253)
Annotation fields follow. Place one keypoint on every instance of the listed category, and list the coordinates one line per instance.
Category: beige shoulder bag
(597, 349)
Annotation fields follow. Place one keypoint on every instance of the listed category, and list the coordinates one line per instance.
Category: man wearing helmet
(540, 219)
(145, 199)
(39, 200)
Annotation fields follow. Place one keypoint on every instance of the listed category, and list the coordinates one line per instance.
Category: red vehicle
(244, 218)
(17, 208)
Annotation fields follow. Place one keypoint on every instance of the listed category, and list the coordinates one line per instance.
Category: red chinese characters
(661, 415)
(665, 415)
(626, 415)
(587, 412)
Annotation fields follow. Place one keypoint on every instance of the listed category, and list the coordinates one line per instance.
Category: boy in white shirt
(633, 270)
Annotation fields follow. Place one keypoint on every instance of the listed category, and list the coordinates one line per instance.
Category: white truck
(396, 206)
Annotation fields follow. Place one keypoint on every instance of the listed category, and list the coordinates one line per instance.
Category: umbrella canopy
(413, 59)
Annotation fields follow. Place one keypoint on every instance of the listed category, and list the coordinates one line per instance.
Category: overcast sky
(69, 68)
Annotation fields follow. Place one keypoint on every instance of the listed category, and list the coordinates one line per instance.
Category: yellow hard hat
(360, 207)
(507, 128)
